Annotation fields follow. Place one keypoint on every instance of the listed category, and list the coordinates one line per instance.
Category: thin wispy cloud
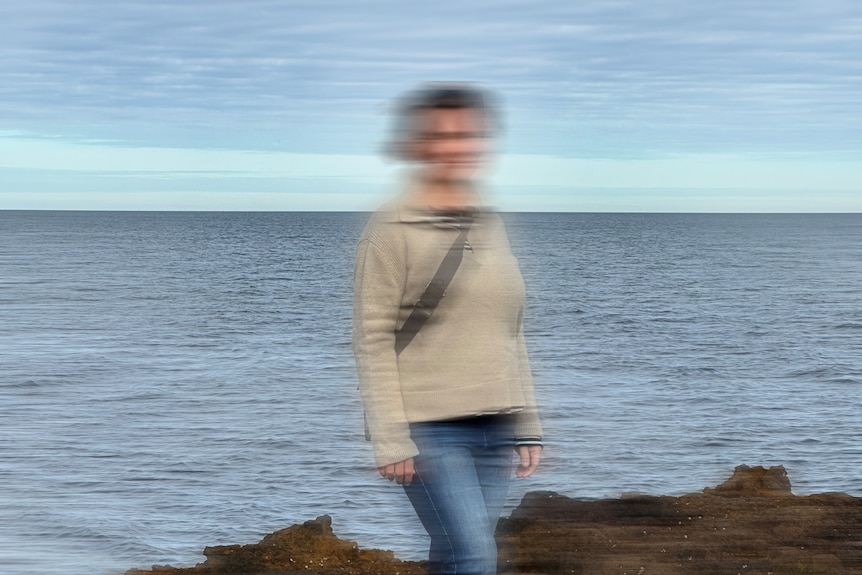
(597, 79)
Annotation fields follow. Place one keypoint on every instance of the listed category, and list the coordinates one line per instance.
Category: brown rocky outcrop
(749, 525)
(310, 549)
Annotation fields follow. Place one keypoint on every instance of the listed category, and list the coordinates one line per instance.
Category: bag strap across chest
(434, 292)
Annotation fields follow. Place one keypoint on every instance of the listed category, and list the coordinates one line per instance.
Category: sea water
(170, 381)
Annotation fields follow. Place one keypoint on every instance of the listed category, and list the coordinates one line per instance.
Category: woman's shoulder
(382, 225)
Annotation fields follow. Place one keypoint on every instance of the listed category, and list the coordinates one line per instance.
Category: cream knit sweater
(469, 358)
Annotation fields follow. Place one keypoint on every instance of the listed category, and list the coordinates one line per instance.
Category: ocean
(170, 381)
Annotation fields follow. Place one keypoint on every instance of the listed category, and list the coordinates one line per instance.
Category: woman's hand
(401, 472)
(530, 455)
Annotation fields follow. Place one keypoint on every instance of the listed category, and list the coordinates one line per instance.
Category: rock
(751, 524)
(310, 548)
(755, 482)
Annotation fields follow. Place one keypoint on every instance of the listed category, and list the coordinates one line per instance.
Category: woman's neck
(447, 196)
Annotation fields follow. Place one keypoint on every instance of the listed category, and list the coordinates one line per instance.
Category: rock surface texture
(749, 525)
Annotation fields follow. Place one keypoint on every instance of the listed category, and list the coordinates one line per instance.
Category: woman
(443, 368)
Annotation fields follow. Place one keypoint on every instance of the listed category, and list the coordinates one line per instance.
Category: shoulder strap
(435, 290)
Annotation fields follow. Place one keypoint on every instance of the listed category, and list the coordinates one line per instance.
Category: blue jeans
(462, 477)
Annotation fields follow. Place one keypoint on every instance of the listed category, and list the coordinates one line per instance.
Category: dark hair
(436, 97)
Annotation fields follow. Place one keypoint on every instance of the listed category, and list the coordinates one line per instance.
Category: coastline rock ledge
(751, 524)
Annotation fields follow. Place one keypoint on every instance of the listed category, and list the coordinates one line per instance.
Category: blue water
(170, 381)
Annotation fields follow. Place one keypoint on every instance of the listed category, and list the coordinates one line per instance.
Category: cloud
(660, 61)
(619, 79)
(30, 154)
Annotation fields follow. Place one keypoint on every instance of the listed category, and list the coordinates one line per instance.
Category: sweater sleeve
(528, 428)
(378, 287)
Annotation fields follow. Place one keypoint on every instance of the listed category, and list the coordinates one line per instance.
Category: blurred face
(451, 144)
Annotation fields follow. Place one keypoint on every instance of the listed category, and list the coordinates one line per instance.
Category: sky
(274, 105)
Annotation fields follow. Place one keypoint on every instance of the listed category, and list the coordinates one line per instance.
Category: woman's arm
(378, 287)
(528, 427)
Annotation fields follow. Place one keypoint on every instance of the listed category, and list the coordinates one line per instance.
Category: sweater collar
(412, 211)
